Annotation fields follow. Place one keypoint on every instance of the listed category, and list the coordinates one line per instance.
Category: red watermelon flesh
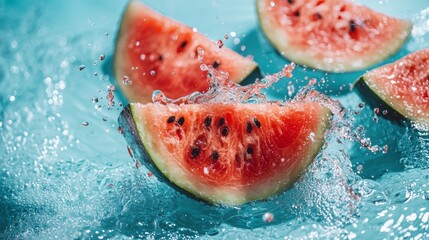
(403, 85)
(230, 153)
(154, 52)
(331, 35)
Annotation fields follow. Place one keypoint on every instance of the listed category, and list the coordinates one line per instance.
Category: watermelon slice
(223, 152)
(331, 35)
(402, 85)
(154, 52)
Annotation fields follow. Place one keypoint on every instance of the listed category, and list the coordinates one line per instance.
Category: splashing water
(59, 179)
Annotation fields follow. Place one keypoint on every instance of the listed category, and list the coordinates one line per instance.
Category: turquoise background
(61, 179)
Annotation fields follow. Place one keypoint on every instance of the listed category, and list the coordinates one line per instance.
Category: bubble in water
(81, 67)
(152, 72)
(85, 123)
(361, 105)
(94, 99)
(101, 58)
(384, 112)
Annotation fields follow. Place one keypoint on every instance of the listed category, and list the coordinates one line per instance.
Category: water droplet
(219, 43)
(376, 110)
(268, 217)
(200, 53)
(236, 41)
(152, 72)
(385, 148)
(290, 89)
(12, 98)
(126, 80)
(110, 88)
(110, 95)
(312, 136)
(81, 67)
(206, 170)
(85, 124)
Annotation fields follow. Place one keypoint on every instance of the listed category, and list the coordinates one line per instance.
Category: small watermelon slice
(226, 153)
(402, 85)
(331, 35)
(154, 52)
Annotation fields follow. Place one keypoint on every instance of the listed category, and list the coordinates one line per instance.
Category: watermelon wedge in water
(402, 87)
(331, 35)
(226, 153)
(154, 52)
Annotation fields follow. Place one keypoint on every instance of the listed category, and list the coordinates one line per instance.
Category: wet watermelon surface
(65, 171)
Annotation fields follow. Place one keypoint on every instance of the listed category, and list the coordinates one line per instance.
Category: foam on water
(61, 179)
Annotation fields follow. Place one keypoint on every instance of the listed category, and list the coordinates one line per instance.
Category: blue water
(65, 171)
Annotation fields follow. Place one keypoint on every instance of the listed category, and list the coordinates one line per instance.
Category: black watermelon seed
(171, 119)
(225, 131)
(257, 123)
(318, 15)
(181, 121)
(249, 150)
(221, 121)
(183, 44)
(290, 1)
(216, 64)
(207, 121)
(297, 13)
(195, 152)
(215, 155)
(352, 26)
(160, 58)
(249, 127)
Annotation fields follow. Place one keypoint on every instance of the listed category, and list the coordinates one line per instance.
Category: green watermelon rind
(139, 151)
(138, 140)
(279, 40)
